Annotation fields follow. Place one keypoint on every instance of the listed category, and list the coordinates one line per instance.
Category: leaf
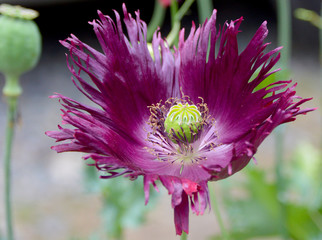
(300, 223)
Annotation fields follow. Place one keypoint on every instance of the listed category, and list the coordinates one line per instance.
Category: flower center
(176, 127)
(183, 122)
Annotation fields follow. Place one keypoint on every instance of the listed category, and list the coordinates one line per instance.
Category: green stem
(215, 207)
(156, 20)
(284, 31)
(309, 16)
(120, 229)
(320, 56)
(320, 36)
(12, 86)
(173, 12)
(284, 27)
(183, 9)
(178, 14)
(205, 8)
(184, 236)
(172, 38)
(175, 23)
(11, 118)
(279, 156)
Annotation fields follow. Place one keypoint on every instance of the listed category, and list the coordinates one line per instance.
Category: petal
(126, 78)
(181, 215)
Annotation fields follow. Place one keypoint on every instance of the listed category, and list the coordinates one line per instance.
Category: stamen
(176, 126)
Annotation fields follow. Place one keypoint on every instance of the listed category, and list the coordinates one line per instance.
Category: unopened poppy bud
(182, 122)
(20, 45)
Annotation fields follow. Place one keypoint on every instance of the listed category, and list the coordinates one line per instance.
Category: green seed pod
(182, 122)
(20, 45)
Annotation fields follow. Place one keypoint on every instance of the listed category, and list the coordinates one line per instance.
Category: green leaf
(300, 223)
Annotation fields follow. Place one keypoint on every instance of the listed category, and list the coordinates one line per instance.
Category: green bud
(20, 44)
(183, 120)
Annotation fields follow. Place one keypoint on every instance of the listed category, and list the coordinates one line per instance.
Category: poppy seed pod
(20, 45)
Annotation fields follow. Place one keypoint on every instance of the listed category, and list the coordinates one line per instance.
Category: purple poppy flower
(183, 117)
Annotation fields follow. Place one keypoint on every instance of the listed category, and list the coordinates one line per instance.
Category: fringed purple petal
(126, 78)
(282, 108)
(61, 135)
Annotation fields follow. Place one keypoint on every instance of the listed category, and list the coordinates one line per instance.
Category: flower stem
(320, 58)
(175, 23)
(184, 236)
(11, 118)
(205, 8)
(183, 9)
(320, 37)
(214, 204)
(156, 20)
(284, 39)
(284, 33)
(176, 16)
(172, 38)
(173, 11)
(279, 146)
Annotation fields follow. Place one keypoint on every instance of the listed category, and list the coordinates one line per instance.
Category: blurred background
(51, 199)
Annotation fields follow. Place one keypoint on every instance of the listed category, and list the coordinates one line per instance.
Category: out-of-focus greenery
(122, 204)
(309, 16)
(255, 213)
(277, 76)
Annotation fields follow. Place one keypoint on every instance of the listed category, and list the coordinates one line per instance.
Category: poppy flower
(181, 116)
